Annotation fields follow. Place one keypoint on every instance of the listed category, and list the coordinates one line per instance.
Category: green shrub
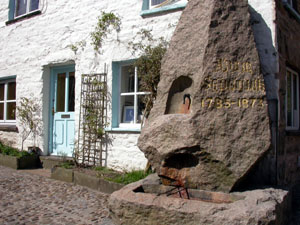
(67, 165)
(7, 150)
(130, 177)
(103, 169)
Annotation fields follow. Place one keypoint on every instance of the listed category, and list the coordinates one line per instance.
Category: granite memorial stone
(209, 124)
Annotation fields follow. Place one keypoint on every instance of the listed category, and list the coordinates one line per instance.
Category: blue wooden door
(63, 112)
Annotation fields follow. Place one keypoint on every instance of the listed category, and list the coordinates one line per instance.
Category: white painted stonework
(31, 47)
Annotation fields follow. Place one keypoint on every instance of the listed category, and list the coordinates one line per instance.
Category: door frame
(53, 72)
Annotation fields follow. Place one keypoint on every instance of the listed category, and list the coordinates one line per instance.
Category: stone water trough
(208, 128)
(148, 202)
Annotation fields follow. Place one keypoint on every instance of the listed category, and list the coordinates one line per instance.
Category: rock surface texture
(209, 124)
(268, 206)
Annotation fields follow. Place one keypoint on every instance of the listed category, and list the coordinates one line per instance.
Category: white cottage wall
(30, 47)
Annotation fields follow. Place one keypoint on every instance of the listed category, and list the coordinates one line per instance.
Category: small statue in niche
(186, 106)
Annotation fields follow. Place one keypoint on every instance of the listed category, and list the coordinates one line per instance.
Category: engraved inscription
(254, 85)
(227, 66)
(236, 85)
(227, 103)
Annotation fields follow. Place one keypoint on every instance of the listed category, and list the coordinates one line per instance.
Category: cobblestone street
(32, 199)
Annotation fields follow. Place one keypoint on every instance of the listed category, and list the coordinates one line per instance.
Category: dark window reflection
(71, 105)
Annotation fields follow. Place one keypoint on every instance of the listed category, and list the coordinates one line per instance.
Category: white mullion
(28, 6)
(143, 93)
(127, 94)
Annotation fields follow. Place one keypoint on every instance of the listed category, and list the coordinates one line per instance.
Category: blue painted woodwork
(62, 124)
(172, 7)
(116, 90)
(11, 8)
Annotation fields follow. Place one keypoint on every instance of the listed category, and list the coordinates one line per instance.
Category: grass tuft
(129, 177)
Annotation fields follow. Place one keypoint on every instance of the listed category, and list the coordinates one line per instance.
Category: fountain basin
(135, 204)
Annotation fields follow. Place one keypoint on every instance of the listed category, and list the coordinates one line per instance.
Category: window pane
(11, 92)
(142, 86)
(141, 107)
(60, 93)
(289, 99)
(34, 4)
(21, 7)
(295, 89)
(2, 86)
(127, 79)
(71, 92)
(11, 111)
(1, 111)
(127, 109)
(156, 2)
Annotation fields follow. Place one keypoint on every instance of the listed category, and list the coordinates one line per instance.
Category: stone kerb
(83, 179)
(210, 123)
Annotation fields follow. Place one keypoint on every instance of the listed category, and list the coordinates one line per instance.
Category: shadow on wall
(264, 171)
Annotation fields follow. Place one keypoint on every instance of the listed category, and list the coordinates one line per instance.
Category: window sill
(163, 9)
(8, 128)
(25, 16)
(292, 11)
(122, 130)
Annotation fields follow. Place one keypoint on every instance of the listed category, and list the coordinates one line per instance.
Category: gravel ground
(33, 199)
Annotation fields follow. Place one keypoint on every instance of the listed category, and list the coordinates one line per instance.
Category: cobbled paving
(33, 199)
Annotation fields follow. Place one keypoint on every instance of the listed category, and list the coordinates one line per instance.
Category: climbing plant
(107, 22)
(148, 63)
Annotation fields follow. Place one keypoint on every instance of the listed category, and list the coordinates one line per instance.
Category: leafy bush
(151, 52)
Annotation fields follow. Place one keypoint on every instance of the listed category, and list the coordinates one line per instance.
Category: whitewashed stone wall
(29, 48)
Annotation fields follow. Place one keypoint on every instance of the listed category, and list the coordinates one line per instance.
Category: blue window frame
(157, 6)
(127, 98)
(8, 100)
(21, 8)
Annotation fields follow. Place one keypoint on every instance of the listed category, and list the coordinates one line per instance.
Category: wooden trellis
(92, 140)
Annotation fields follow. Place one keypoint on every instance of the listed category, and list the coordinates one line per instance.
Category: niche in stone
(179, 98)
(181, 160)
